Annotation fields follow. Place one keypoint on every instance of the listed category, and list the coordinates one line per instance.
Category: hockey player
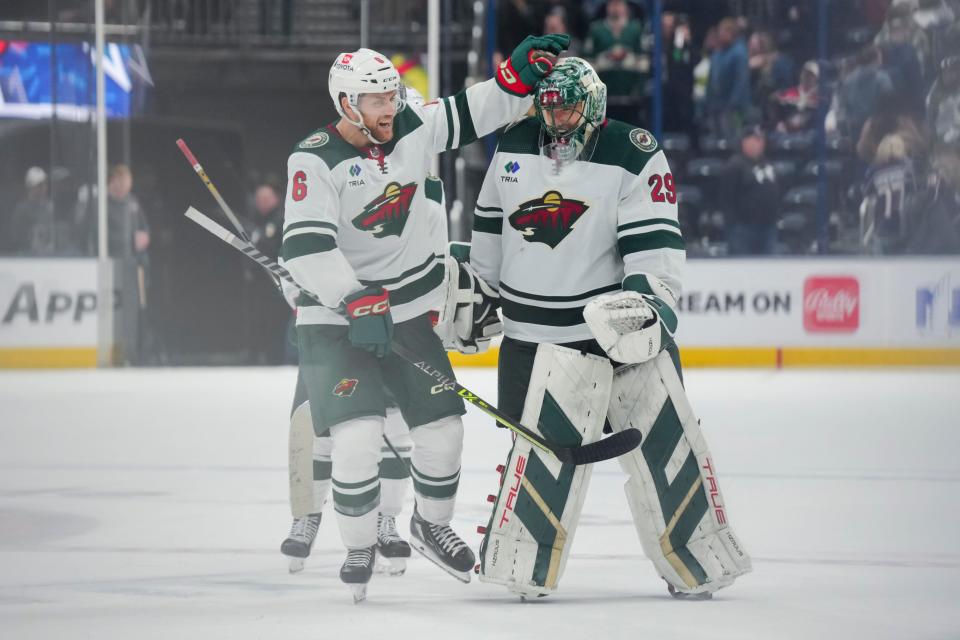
(310, 465)
(355, 236)
(576, 229)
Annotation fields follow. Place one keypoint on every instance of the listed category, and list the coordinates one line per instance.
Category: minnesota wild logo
(548, 219)
(387, 214)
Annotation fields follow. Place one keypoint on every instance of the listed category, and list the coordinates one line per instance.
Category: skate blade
(462, 576)
(297, 564)
(359, 592)
(390, 566)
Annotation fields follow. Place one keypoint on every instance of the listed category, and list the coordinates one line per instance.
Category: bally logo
(549, 219)
(386, 215)
(345, 387)
(831, 304)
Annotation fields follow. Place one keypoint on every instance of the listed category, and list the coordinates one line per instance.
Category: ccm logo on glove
(371, 305)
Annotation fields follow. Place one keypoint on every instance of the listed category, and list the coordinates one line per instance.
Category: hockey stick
(198, 168)
(605, 449)
(244, 244)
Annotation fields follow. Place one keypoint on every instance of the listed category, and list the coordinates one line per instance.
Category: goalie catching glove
(468, 319)
(635, 324)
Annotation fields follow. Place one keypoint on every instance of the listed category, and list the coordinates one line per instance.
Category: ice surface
(152, 503)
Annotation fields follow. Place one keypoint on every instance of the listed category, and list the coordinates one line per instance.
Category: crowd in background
(744, 93)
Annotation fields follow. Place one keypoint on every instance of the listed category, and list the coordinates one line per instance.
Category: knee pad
(438, 445)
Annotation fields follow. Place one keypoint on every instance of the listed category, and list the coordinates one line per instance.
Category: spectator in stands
(267, 224)
(728, 88)
(556, 22)
(794, 109)
(701, 74)
(678, 72)
(515, 20)
(864, 84)
(750, 198)
(266, 313)
(943, 104)
(900, 62)
(900, 28)
(892, 119)
(614, 46)
(935, 228)
(889, 188)
(770, 69)
(32, 226)
(935, 17)
(128, 234)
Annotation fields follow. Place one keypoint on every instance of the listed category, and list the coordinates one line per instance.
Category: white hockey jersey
(354, 218)
(552, 242)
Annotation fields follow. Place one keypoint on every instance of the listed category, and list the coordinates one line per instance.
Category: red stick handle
(186, 152)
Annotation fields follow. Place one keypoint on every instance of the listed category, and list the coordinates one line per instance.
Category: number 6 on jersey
(299, 187)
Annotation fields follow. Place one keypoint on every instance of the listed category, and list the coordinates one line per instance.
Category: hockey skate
(298, 544)
(442, 546)
(357, 570)
(392, 550)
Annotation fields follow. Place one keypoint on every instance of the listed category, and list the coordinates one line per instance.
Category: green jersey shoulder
(626, 146)
(326, 144)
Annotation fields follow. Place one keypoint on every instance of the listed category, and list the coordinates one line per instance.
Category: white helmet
(359, 72)
(414, 97)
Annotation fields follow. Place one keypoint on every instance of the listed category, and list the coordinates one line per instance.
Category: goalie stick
(605, 449)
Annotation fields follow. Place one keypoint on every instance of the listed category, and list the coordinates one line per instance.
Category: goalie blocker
(672, 490)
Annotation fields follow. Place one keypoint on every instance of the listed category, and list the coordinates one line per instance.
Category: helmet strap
(357, 123)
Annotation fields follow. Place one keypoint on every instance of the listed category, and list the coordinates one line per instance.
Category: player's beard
(383, 134)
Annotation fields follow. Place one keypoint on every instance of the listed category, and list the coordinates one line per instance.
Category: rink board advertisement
(48, 312)
(762, 312)
(817, 312)
(879, 303)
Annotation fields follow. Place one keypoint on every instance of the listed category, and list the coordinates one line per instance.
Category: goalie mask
(571, 104)
(360, 73)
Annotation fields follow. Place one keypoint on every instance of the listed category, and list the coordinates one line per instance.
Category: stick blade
(610, 447)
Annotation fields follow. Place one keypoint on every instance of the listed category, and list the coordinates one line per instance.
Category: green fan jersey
(355, 218)
(550, 241)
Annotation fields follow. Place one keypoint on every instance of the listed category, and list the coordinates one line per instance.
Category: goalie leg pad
(672, 490)
(535, 515)
(309, 464)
